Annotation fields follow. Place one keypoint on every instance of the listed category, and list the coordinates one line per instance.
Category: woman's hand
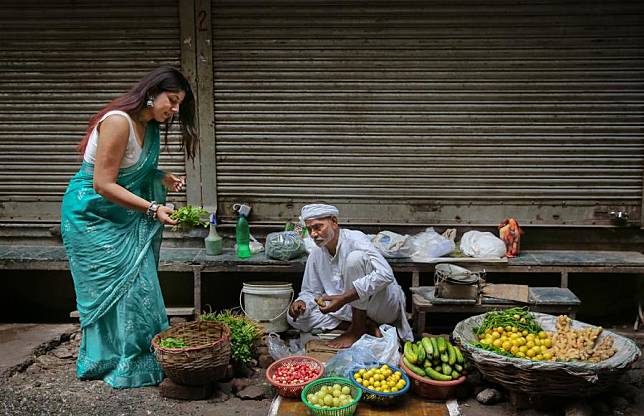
(173, 182)
(163, 215)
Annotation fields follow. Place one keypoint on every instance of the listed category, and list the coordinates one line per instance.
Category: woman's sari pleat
(113, 256)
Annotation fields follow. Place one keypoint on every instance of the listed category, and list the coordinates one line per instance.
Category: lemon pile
(520, 343)
(382, 379)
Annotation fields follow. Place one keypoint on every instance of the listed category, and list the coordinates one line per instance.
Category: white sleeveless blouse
(132, 152)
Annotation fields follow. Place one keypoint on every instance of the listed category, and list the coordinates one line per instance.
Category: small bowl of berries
(289, 375)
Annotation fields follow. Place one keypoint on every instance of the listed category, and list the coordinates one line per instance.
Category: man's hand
(338, 301)
(297, 308)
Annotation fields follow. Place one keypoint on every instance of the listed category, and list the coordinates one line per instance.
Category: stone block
(265, 360)
(578, 408)
(489, 396)
(172, 390)
(239, 384)
(254, 392)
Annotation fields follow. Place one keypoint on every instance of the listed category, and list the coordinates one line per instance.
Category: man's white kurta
(378, 291)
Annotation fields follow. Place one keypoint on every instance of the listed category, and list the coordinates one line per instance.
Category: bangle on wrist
(152, 210)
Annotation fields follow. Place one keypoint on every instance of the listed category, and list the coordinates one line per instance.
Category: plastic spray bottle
(214, 242)
(242, 231)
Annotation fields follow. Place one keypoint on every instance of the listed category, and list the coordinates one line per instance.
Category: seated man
(347, 283)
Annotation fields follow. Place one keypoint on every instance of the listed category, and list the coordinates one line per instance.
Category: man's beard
(323, 242)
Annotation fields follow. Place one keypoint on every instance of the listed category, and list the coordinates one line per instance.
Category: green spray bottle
(242, 231)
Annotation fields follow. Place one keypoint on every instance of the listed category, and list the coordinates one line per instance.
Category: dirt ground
(47, 385)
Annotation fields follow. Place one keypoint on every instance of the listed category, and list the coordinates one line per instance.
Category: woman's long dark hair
(162, 79)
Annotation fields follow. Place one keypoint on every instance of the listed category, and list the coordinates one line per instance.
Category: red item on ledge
(510, 232)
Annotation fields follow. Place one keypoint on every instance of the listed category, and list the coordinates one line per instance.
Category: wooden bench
(196, 262)
(551, 300)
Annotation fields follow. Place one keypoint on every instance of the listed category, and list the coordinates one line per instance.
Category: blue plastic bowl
(378, 397)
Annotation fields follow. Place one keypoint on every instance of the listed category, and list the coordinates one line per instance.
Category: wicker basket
(203, 361)
(547, 378)
(380, 398)
(346, 410)
(432, 389)
(292, 390)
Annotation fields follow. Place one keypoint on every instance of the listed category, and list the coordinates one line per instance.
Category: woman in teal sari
(113, 214)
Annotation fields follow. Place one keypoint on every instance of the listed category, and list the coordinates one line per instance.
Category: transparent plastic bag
(278, 349)
(482, 244)
(254, 245)
(392, 245)
(284, 245)
(367, 349)
(429, 245)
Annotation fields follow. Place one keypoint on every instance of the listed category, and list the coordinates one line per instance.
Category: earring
(149, 102)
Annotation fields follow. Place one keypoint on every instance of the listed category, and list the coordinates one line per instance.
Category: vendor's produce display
(193, 353)
(562, 357)
(290, 374)
(243, 332)
(381, 384)
(331, 396)
(435, 367)
(580, 344)
(170, 342)
(515, 333)
(435, 358)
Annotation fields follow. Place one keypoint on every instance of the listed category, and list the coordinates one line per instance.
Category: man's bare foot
(373, 328)
(345, 340)
(343, 325)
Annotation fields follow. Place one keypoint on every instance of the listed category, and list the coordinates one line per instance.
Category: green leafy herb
(244, 333)
(170, 342)
(189, 216)
(492, 348)
(519, 317)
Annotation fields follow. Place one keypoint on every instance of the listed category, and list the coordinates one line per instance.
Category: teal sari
(113, 256)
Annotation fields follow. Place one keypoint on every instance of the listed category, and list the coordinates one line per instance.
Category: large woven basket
(203, 361)
(547, 378)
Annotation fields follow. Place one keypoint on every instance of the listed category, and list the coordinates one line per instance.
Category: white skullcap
(313, 211)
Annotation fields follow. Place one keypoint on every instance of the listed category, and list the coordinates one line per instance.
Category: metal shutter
(430, 112)
(60, 62)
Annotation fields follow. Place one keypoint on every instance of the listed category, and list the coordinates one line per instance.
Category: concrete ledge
(181, 311)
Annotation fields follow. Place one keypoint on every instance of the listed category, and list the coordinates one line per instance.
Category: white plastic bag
(482, 244)
(429, 245)
(368, 349)
(393, 245)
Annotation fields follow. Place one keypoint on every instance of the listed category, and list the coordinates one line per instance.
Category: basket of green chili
(193, 353)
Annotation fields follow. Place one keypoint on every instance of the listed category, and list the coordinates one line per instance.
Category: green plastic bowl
(346, 410)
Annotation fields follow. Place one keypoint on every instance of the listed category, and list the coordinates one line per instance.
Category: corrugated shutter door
(452, 112)
(60, 62)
